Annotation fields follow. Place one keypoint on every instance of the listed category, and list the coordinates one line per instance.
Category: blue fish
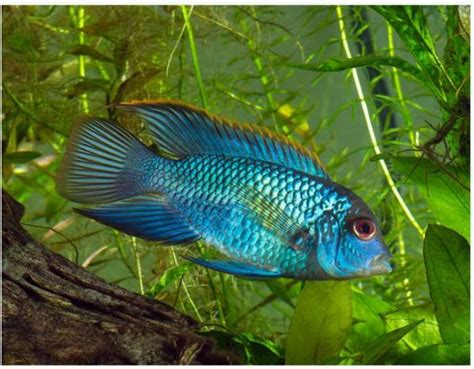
(265, 202)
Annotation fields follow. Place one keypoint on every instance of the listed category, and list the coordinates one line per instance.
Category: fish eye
(364, 229)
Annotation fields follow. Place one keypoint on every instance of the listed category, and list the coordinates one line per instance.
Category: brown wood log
(55, 312)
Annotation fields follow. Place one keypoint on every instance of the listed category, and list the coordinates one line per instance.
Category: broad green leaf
(427, 333)
(321, 322)
(447, 197)
(278, 288)
(368, 325)
(447, 257)
(20, 157)
(337, 64)
(168, 277)
(384, 343)
(438, 355)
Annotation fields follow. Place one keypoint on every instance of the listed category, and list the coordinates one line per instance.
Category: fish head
(359, 249)
(362, 251)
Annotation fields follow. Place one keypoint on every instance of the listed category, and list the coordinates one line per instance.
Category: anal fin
(237, 268)
(149, 217)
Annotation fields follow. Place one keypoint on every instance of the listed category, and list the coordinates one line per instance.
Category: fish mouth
(380, 264)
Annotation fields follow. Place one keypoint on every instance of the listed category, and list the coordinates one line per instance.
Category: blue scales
(264, 202)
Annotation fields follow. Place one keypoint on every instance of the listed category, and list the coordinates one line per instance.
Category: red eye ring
(364, 229)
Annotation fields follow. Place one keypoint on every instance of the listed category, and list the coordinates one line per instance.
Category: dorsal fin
(180, 130)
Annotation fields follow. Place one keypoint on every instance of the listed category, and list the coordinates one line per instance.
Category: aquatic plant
(380, 93)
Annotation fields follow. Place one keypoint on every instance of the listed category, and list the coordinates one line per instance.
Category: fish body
(265, 203)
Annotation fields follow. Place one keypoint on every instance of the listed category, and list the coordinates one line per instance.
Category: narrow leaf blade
(385, 342)
(338, 64)
(20, 157)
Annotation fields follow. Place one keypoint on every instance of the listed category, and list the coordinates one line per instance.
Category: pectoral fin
(271, 216)
(236, 268)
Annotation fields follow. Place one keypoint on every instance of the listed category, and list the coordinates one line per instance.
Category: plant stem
(139, 266)
(213, 289)
(82, 58)
(411, 132)
(194, 54)
(175, 47)
(370, 128)
(265, 81)
(186, 291)
(23, 109)
(398, 89)
(202, 93)
(403, 262)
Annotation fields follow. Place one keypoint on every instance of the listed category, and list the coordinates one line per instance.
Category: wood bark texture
(55, 312)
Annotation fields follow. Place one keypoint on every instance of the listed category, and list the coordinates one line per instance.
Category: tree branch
(55, 312)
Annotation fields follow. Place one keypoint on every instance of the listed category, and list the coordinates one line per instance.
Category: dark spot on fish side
(298, 239)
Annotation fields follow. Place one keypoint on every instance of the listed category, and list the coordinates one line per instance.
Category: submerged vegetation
(395, 130)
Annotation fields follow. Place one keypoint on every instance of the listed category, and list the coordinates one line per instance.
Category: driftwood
(55, 312)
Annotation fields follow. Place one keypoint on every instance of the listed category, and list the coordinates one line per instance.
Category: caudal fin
(103, 163)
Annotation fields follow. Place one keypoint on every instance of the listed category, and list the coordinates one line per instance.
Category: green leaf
(447, 197)
(384, 343)
(321, 322)
(369, 325)
(20, 157)
(86, 85)
(89, 51)
(337, 64)
(438, 355)
(411, 25)
(259, 350)
(447, 257)
(384, 156)
(248, 348)
(427, 333)
(19, 43)
(168, 277)
(278, 287)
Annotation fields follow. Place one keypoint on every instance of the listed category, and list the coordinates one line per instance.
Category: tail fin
(102, 164)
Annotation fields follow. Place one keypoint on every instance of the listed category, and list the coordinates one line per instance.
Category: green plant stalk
(103, 72)
(403, 262)
(398, 89)
(175, 47)
(411, 132)
(139, 265)
(263, 76)
(25, 110)
(222, 25)
(202, 93)
(194, 55)
(123, 255)
(82, 60)
(213, 288)
(186, 291)
(370, 128)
